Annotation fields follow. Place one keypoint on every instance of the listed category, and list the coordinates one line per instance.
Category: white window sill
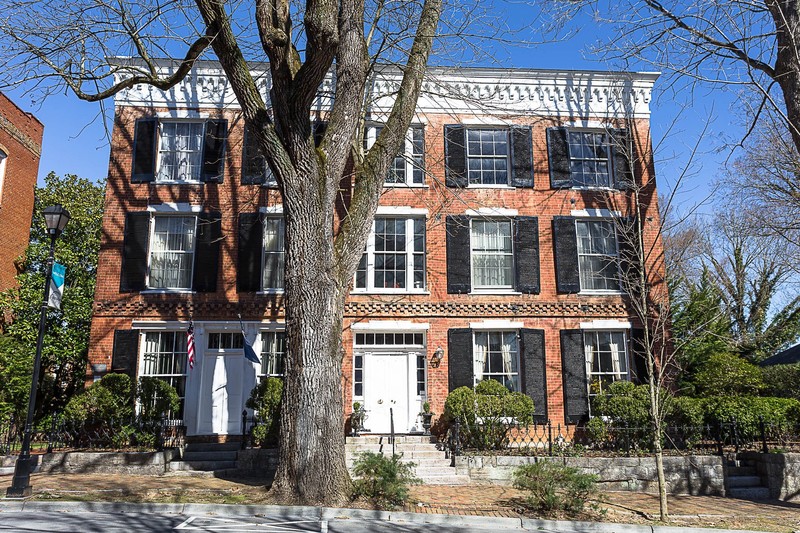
(405, 186)
(167, 291)
(489, 186)
(388, 292)
(498, 292)
(602, 188)
(601, 293)
(270, 291)
(160, 182)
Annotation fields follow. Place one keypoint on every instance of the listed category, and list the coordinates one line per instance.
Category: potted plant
(357, 418)
(426, 415)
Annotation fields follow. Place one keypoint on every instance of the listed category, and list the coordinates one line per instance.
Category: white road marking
(205, 523)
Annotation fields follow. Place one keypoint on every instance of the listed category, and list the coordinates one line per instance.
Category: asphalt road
(90, 522)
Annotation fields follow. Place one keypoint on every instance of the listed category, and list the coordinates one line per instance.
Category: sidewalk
(469, 500)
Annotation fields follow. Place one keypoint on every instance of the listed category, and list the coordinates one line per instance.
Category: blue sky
(75, 137)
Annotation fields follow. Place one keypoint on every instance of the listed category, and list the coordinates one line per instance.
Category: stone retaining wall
(698, 475)
(144, 463)
(779, 471)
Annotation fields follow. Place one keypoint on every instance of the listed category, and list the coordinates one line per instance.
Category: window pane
(597, 255)
(273, 274)
(172, 252)
(492, 254)
(180, 151)
(487, 156)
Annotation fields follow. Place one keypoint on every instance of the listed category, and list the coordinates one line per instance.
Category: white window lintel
(390, 325)
(496, 325)
(606, 324)
(171, 207)
(271, 209)
(492, 212)
(181, 114)
(384, 210)
(595, 213)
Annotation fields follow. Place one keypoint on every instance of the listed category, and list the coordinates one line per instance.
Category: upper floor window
(487, 156)
(478, 156)
(496, 356)
(179, 150)
(394, 260)
(273, 354)
(589, 158)
(172, 248)
(408, 168)
(273, 261)
(492, 254)
(606, 359)
(3, 159)
(255, 169)
(597, 255)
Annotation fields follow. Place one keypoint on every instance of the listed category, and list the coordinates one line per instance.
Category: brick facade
(436, 309)
(21, 142)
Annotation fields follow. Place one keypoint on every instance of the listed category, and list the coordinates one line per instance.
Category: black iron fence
(503, 437)
(62, 434)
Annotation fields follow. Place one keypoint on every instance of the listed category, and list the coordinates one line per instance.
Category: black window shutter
(254, 165)
(558, 154)
(565, 242)
(206, 252)
(125, 352)
(455, 154)
(459, 358)
(459, 273)
(134, 252)
(622, 152)
(526, 254)
(638, 357)
(573, 368)
(144, 150)
(534, 371)
(214, 151)
(251, 242)
(521, 156)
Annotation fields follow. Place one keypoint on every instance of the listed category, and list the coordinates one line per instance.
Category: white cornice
(501, 92)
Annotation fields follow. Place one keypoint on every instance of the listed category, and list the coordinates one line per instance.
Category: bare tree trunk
(662, 482)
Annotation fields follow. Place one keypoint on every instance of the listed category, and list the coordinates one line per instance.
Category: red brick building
(20, 149)
(494, 252)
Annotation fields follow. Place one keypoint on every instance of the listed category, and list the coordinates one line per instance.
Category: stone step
(212, 446)
(750, 493)
(741, 471)
(744, 481)
(388, 447)
(208, 466)
(452, 479)
(387, 450)
(210, 456)
(385, 439)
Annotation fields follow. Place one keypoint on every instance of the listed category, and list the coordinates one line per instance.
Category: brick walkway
(485, 500)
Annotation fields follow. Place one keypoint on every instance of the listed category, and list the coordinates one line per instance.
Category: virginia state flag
(248, 348)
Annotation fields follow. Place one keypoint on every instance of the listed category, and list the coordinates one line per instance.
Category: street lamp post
(56, 217)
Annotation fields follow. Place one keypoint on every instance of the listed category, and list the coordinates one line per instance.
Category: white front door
(221, 402)
(389, 391)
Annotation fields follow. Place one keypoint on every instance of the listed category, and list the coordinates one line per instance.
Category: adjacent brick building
(494, 252)
(20, 150)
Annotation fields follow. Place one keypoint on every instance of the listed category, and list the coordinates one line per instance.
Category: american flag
(190, 343)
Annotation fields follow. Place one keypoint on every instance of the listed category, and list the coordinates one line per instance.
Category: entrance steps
(206, 457)
(743, 482)
(432, 467)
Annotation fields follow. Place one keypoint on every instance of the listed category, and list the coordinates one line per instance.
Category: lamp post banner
(57, 286)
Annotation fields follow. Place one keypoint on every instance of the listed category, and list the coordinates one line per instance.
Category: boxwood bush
(265, 400)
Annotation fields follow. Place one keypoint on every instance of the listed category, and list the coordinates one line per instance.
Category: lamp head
(56, 218)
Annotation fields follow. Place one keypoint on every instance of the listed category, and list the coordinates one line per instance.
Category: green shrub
(553, 487)
(782, 381)
(484, 414)
(625, 404)
(265, 400)
(155, 398)
(107, 399)
(746, 410)
(728, 374)
(383, 480)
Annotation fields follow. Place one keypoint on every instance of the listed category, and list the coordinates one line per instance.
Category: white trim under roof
(390, 325)
(496, 324)
(595, 213)
(491, 212)
(401, 210)
(171, 207)
(606, 324)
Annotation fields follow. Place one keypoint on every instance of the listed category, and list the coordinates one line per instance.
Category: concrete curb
(328, 513)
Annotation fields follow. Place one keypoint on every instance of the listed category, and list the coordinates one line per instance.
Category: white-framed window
(394, 260)
(590, 158)
(492, 254)
(408, 168)
(606, 359)
(597, 255)
(164, 356)
(172, 245)
(272, 278)
(180, 150)
(226, 342)
(3, 160)
(496, 356)
(487, 156)
(273, 354)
